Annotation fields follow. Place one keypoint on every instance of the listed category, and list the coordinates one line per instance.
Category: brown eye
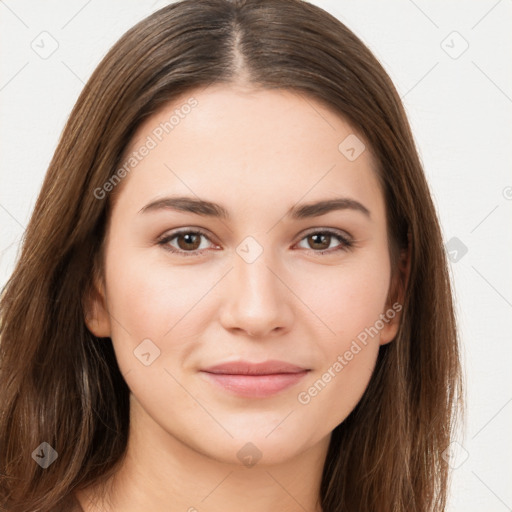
(191, 241)
(187, 242)
(319, 241)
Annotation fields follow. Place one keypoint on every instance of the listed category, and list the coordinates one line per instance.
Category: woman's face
(252, 285)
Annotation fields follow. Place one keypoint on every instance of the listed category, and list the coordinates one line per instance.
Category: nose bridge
(252, 276)
(256, 300)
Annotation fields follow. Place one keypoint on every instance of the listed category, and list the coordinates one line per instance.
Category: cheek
(332, 392)
(350, 302)
(348, 299)
(153, 300)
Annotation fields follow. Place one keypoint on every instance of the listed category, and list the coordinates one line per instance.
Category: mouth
(255, 380)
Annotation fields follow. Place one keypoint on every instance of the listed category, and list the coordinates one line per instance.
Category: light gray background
(459, 103)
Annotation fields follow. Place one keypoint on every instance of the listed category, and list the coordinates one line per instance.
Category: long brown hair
(61, 385)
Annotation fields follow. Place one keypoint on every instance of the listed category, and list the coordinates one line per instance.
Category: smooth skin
(257, 153)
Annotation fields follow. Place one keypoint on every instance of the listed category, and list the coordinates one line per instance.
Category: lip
(255, 380)
(270, 367)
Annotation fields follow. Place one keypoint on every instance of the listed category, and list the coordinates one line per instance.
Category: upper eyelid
(336, 231)
(179, 231)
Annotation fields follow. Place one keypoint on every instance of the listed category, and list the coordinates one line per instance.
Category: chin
(257, 450)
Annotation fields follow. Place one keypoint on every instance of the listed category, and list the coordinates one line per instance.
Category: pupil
(188, 237)
(324, 245)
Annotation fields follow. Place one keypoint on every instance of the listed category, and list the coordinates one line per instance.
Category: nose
(256, 298)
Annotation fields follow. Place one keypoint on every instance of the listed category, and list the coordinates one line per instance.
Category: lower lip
(256, 386)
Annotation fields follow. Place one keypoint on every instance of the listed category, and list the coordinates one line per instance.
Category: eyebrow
(210, 209)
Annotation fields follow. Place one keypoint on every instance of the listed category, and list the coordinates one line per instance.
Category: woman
(233, 291)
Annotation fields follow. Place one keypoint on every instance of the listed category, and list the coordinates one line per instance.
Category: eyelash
(347, 243)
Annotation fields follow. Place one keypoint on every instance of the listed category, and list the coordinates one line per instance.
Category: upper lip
(247, 368)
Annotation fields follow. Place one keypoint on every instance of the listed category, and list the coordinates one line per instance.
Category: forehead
(252, 144)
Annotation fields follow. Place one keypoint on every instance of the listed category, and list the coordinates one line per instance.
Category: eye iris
(323, 245)
(189, 237)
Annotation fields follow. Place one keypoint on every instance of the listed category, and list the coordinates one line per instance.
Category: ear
(396, 296)
(96, 313)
